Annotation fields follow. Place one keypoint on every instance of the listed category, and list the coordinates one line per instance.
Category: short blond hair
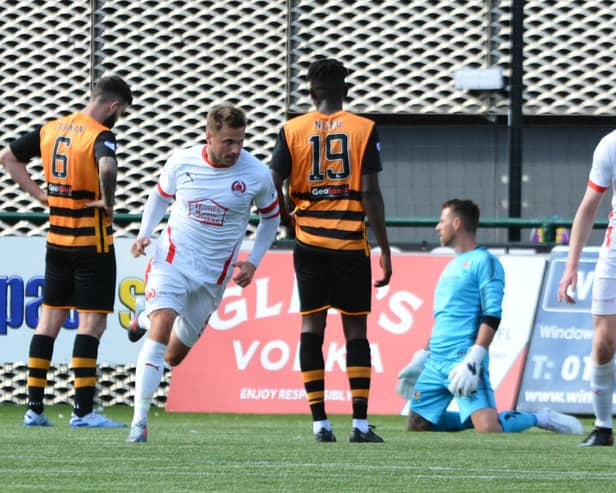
(225, 115)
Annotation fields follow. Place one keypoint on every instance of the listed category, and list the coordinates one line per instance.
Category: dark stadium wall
(425, 165)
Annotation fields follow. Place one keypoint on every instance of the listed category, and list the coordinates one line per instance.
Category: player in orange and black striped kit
(79, 160)
(330, 158)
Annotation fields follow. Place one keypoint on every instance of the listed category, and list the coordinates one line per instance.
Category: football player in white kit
(603, 308)
(214, 186)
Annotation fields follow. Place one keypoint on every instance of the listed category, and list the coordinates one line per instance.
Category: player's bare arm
(374, 206)
(108, 175)
(286, 218)
(580, 232)
(19, 173)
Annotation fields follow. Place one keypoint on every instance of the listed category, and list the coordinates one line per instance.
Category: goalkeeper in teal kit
(467, 311)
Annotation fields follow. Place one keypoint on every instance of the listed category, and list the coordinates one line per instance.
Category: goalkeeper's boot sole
(357, 436)
(599, 437)
(325, 436)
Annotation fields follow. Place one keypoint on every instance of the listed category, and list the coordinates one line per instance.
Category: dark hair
(327, 70)
(466, 210)
(326, 77)
(112, 87)
(225, 115)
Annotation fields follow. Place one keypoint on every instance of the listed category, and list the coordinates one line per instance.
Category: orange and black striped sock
(312, 365)
(85, 352)
(359, 368)
(39, 360)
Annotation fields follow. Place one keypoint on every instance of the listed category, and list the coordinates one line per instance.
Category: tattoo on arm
(108, 172)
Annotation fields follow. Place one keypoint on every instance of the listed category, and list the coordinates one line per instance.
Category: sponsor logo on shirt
(110, 145)
(330, 191)
(207, 211)
(59, 189)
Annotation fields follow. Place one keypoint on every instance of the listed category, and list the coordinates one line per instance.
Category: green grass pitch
(277, 453)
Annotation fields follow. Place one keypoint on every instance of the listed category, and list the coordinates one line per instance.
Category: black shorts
(333, 280)
(82, 280)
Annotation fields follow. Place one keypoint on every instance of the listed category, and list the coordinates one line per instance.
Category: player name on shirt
(328, 124)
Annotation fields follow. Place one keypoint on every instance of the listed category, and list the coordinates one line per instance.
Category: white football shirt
(603, 176)
(209, 216)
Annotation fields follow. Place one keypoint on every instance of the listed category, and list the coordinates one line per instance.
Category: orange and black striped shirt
(70, 148)
(324, 158)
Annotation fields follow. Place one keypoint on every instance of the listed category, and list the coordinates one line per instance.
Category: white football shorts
(195, 301)
(604, 285)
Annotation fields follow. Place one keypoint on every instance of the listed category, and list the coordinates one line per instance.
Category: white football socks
(143, 321)
(149, 372)
(361, 425)
(319, 425)
(602, 387)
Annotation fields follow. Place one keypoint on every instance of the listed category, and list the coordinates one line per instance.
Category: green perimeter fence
(548, 225)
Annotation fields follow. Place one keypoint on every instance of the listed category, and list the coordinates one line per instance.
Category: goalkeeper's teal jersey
(470, 287)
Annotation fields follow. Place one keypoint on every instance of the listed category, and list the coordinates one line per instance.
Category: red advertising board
(247, 360)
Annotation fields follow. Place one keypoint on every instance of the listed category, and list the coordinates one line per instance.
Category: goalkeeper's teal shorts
(431, 397)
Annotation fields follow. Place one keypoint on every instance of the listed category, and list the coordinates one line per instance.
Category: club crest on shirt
(150, 294)
(238, 187)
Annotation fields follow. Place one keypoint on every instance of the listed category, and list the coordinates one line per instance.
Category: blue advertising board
(557, 369)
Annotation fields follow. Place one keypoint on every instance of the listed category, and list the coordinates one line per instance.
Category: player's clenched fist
(138, 247)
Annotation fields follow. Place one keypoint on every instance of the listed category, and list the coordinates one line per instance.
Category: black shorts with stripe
(341, 280)
(80, 279)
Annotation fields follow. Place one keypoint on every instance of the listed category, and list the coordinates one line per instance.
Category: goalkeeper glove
(409, 374)
(464, 378)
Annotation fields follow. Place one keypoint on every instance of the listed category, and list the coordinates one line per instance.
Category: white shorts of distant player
(194, 301)
(604, 283)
